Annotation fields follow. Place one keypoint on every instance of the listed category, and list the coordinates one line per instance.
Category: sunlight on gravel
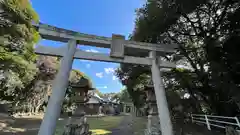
(100, 132)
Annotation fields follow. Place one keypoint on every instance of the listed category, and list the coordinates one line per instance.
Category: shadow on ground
(193, 129)
(19, 126)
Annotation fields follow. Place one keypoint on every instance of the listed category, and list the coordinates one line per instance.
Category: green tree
(207, 33)
(36, 92)
(99, 93)
(123, 96)
(134, 77)
(17, 56)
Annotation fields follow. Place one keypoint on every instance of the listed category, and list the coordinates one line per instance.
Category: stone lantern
(80, 95)
(151, 98)
(153, 120)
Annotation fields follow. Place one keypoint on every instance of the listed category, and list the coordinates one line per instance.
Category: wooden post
(207, 122)
(236, 118)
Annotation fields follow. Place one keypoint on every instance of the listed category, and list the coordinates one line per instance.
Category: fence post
(236, 118)
(192, 118)
(207, 122)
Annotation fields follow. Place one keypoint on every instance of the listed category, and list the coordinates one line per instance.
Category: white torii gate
(122, 51)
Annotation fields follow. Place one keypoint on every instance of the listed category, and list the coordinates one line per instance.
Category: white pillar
(149, 125)
(163, 112)
(60, 85)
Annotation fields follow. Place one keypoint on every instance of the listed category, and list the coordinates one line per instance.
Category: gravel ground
(125, 127)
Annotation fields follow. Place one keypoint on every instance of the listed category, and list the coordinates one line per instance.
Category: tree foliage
(207, 33)
(99, 93)
(132, 76)
(17, 56)
(123, 96)
(36, 93)
(25, 78)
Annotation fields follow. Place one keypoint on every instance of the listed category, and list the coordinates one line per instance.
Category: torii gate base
(117, 48)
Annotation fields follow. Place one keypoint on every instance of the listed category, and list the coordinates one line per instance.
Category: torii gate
(122, 51)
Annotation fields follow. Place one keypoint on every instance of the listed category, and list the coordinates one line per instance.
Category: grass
(107, 122)
(139, 125)
(60, 127)
(99, 126)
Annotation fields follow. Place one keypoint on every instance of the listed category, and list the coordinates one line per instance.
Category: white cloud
(114, 78)
(92, 50)
(102, 87)
(109, 70)
(100, 74)
(88, 65)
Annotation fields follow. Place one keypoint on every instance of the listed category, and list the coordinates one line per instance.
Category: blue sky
(99, 17)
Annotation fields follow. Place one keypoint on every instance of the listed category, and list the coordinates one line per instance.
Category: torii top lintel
(59, 34)
(122, 51)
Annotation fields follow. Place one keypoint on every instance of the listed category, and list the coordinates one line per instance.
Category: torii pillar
(163, 111)
(58, 92)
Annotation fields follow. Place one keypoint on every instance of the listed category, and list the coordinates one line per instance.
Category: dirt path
(125, 127)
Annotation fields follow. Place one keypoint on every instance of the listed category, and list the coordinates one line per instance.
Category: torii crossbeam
(122, 51)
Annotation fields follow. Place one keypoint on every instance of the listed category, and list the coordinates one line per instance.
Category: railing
(216, 121)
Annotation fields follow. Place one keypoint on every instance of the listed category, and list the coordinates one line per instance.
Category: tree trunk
(37, 108)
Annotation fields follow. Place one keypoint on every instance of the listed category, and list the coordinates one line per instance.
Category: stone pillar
(77, 114)
(60, 85)
(124, 108)
(149, 125)
(163, 111)
(135, 111)
(79, 111)
(100, 110)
